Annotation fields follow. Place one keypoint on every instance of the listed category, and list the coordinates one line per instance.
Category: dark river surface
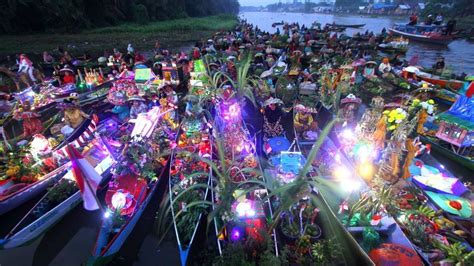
(459, 55)
(70, 241)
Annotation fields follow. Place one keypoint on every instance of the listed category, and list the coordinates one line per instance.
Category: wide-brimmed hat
(66, 69)
(302, 108)
(370, 63)
(136, 98)
(117, 98)
(272, 100)
(67, 103)
(351, 98)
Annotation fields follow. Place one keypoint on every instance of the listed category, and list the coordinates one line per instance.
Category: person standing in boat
(25, 66)
(439, 19)
(450, 26)
(429, 20)
(413, 19)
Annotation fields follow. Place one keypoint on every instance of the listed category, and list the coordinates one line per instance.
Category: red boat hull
(447, 84)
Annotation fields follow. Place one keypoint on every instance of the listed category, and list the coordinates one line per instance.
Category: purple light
(235, 234)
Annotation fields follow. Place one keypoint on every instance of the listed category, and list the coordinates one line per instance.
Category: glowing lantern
(366, 170)
(119, 200)
(236, 234)
(341, 173)
(245, 209)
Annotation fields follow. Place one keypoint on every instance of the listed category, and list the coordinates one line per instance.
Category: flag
(470, 90)
(86, 177)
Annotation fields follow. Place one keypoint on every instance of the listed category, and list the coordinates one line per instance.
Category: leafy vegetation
(177, 33)
(73, 16)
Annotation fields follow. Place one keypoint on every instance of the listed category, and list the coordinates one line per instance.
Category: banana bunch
(445, 224)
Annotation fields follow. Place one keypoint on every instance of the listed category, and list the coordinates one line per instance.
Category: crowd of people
(298, 49)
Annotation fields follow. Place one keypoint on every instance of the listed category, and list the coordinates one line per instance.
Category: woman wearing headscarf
(272, 116)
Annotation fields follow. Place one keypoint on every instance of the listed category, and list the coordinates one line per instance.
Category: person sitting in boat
(369, 70)
(304, 121)
(121, 108)
(438, 67)
(349, 105)
(68, 76)
(410, 72)
(272, 115)
(138, 106)
(73, 115)
(413, 19)
(31, 122)
(385, 68)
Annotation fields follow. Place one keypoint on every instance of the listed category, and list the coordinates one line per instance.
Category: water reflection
(459, 54)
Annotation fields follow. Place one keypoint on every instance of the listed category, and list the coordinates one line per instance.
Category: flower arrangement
(395, 117)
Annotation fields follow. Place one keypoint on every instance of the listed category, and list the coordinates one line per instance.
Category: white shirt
(385, 68)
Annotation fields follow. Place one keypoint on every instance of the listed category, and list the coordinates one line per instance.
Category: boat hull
(37, 228)
(422, 38)
(451, 84)
(114, 247)
(448, 153)
(30, 192)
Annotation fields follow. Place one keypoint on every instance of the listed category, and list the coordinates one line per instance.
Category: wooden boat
(134, 193)
(422, 33)
(438, 190)
(395, 46)
(194, 138)
(444, 149)
(347, 25)
(49, 210)
(389, 228)
(284, 166)
(451, 84)
(454, 137)
(276, 24)
(239, 149)
(20, 193)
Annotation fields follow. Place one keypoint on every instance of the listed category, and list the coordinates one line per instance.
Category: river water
(459, 55)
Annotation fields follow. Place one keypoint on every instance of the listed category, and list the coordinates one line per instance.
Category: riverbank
(172, 33)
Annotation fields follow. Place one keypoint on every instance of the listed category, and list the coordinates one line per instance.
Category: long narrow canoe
(339, 187)
(46, 213)
(118, 224)
(240, 149)
(193, 139)
(80, 137)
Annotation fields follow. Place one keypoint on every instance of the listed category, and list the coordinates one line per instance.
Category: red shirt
(69, 79)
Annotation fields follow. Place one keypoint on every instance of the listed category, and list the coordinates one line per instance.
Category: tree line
(22, 16)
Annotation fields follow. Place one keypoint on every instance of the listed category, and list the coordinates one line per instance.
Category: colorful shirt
(122, 111)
